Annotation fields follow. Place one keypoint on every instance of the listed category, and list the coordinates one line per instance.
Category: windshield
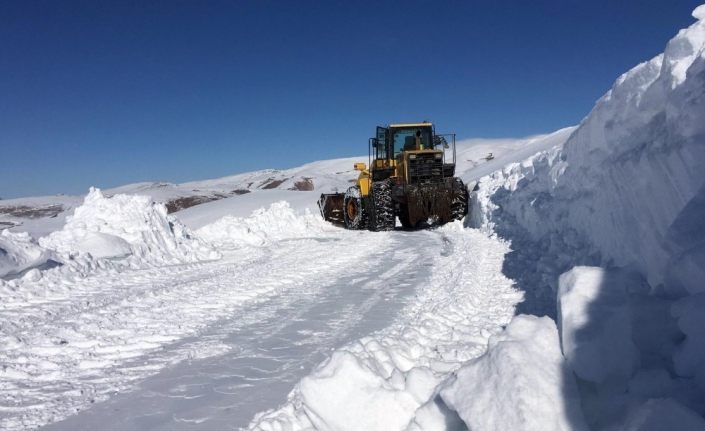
(415, 138)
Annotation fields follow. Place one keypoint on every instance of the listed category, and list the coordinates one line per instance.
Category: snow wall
(109, 233)
(619, 210)
(121, 231)
(125, 226)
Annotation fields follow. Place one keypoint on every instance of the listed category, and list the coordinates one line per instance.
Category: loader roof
(424, 124)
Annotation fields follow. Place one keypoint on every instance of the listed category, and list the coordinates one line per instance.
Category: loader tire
(381, 215)
(353, 209)
(459, 201)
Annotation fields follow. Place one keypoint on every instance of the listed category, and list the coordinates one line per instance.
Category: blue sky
(108, 93)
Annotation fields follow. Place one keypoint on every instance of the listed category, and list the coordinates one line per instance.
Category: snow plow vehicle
(410, 174)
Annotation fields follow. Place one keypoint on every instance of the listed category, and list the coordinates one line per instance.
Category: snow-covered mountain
(42, 215)
(572, 297)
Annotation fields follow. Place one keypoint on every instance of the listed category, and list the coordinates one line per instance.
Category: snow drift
(134, 231)
(126, 227)
(625, 195)
(265, 225)
(104, 232)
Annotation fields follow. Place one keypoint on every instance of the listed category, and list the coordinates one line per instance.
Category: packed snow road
(328, 291)
(249, 326)
(218, 327)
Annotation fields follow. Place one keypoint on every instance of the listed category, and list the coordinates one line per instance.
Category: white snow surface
(264, 226)
(73, 337)
(663, 414)
(521, 383)
(625, 193)
(380, 381)
(18, 252)
(126, 226)
(626, 174)
(596, 324)
(88, 309)
(205, 317)
(243, 206)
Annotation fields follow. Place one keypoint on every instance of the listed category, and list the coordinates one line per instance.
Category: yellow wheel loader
(410, 175)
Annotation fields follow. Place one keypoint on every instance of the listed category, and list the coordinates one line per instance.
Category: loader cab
(410, 139)
(394, 147)
(392, 141)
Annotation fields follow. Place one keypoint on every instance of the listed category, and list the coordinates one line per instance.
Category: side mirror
(360, 166)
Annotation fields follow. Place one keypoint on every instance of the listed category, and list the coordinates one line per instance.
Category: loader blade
(331, 207)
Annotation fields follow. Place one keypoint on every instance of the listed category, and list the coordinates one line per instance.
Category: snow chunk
(346, 395)
(663, 414)
(18, 252)
(436, 416)
(521, 383)
(596, 324)
(699, 12)
(277, 222)
(126, 226)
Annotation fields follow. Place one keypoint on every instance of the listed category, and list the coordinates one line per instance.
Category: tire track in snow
(275, 344)
(383, 380)
(66, 351)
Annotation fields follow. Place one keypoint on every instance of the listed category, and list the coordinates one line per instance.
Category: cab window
(406, 139)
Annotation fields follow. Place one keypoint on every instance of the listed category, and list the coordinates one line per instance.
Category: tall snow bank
(19, 252)
(626, 174)
(126, 227)
(621, 344)
(265, 225)
(625, 192)
(521, 383)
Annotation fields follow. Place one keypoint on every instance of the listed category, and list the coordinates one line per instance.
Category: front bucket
(331, 207)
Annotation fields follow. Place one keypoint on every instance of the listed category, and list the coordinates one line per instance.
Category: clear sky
(108, 93)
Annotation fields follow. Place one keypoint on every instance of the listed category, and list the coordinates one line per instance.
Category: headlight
(412, 156)
(439, 155)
